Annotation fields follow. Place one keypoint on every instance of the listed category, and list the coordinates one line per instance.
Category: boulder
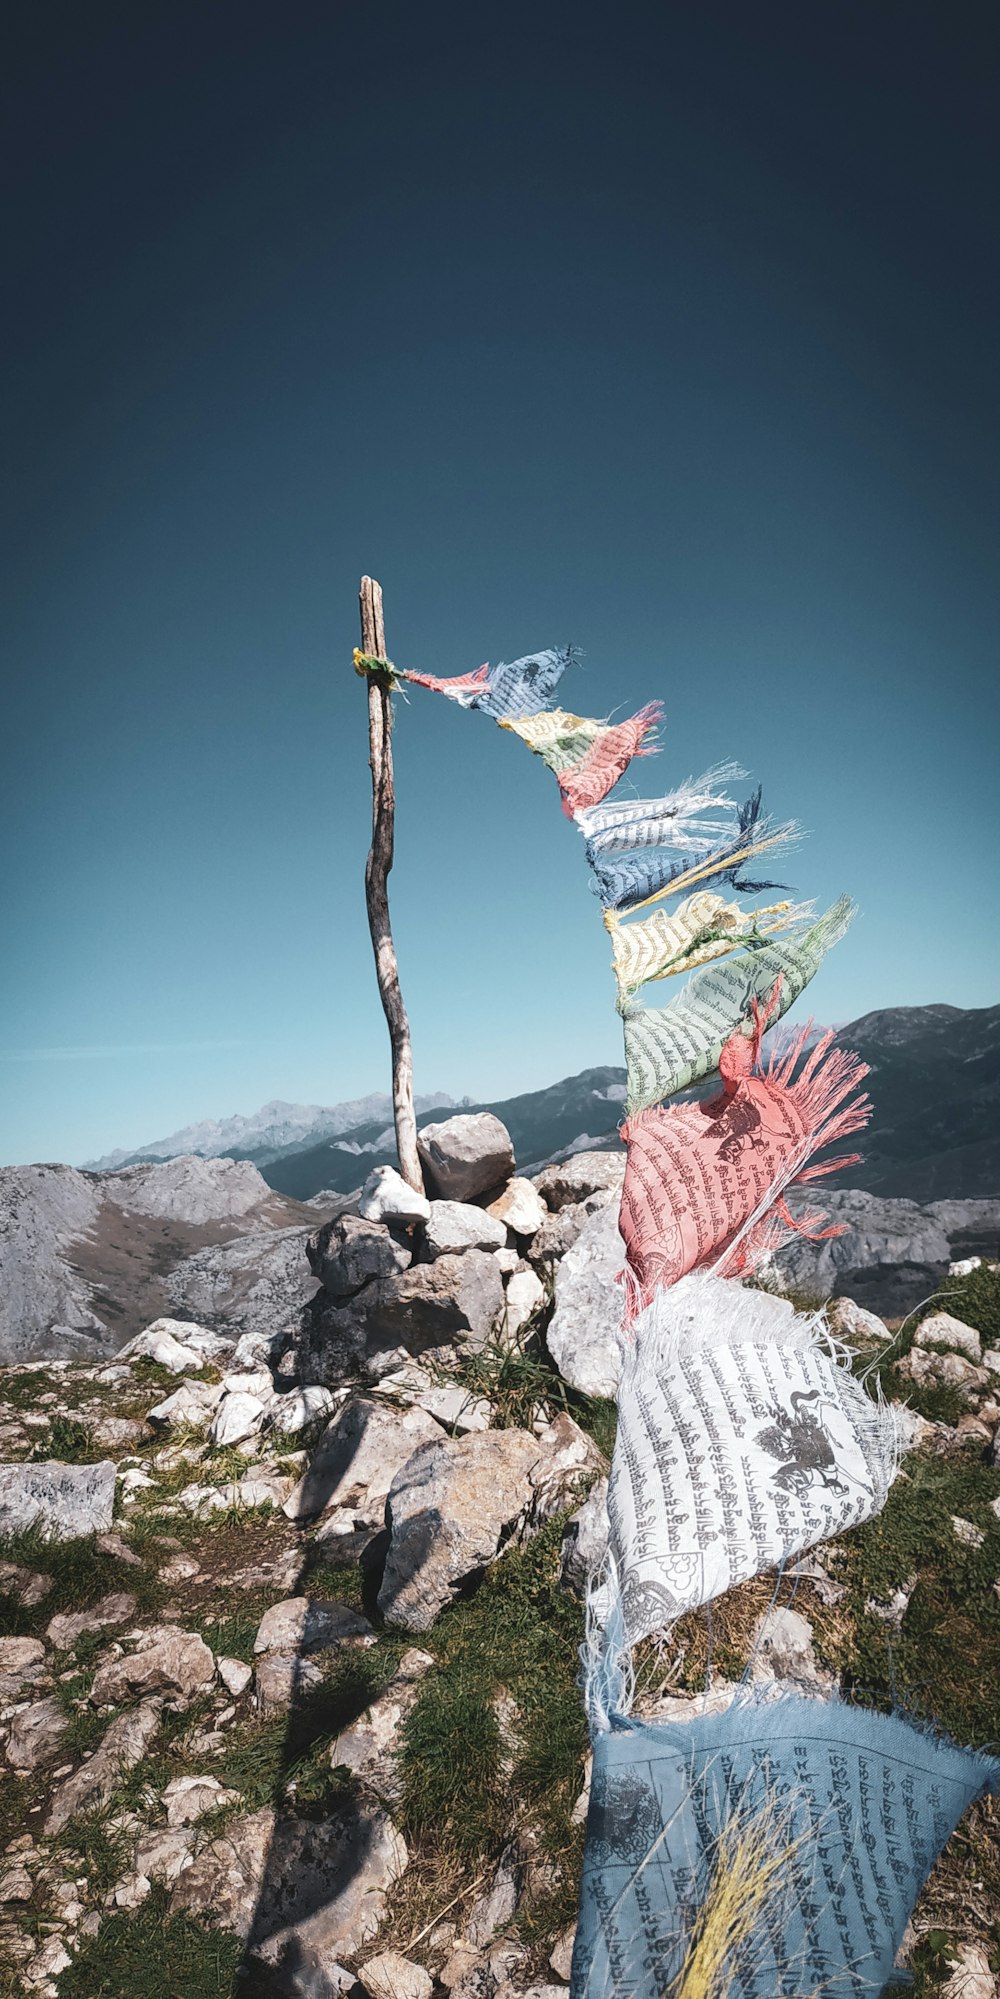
(456, 1297)
(453, 1226)
(450, 1509)
(348, 1252)
(171, 1661)
(257, 1283)
(64, 1501)
(68, 1626)
(304, 1890)
(187, 1799)
(300, 1624)
(520, 1207)
(238, 1416)
(290, 1413)
(851, 1322)
(123, 1746)
(559, 1232)
(358, 1456)
(35, 1735)
(282, 1678)
(581, 1334)
(385, 1197)
(164, 1341)
(465, 1156)
(190, 1407)
(940, 1329)
(575, 1179)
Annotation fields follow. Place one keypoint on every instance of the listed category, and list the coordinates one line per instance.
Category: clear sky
(670, 330)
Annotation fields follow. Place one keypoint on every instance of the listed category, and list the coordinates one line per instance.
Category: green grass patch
(517, 1636)
(81, 1575)
(148, 1954)
(262, 1760)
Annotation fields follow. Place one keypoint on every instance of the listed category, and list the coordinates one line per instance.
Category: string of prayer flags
(780, 1844)
(508, 690)
(629, 881)
(670, 1048)
(621, 825)
(743, 1439)
(703, 927)
(705, 1182)
(585, 756)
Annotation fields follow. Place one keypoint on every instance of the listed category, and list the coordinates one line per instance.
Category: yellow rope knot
(366, 662)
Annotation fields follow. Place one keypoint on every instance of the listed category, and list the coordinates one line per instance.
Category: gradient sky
(670, 330)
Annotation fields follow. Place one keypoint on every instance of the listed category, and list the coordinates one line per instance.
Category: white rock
(466, 1155)
(189, 1407)
(288, 1414)
(561, 1954)
(238, 1416)
(235, 1676)
(453, 1226)
(941, 1330)
(971, 1977)
(250, 1381)
(63, 1501)
(581, 1336)
(357, 1458)
(507, 1261)
(520, 1207)
(525, 1292)
(163, 1853)
(132, 1892)
(967, 1532)
(390, 1976)
(965, 1266)
(851, 1322)
(991, 1359)
(163, 1343)
(187, 1799)
(911, 1429)
(783, 1650)
(300, 1624)
(385, 1197)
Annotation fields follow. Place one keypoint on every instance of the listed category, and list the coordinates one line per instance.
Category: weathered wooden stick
(380, 859)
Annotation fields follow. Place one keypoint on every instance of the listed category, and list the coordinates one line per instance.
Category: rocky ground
(289, 1619)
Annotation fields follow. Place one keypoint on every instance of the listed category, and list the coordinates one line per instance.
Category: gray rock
(358, 1456)
(257, 1283)
(970, 1975)
(68, 1626)
(783, 1650)
(165, 1342)
(162, 1853)
(465, 1156)
(369, 1747)
(122, 1747)
(190, 1407)
(851, 1322)
(346, 1253)
(35, 1735)
(282, 1678)
(943, 1370)
(238, 1417)
(454, 1225)
(525, 1292)
(171, 1661)
(581, 1335)
(300, 1891)
(301, 1624)
(390, 1976)
(567, 1459)
(385, 1197)
(188, 1189)
(940, 1329)
(559, 1232)
(289, 1414)
(65, 1501)
(574, 1180)
(450, 1508)
(585, 1542)
(456, 1297)
(520, 1207)
(45, 1305)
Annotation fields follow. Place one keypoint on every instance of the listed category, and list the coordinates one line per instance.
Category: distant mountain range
(935, 1134)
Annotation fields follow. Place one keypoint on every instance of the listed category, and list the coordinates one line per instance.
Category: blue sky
(670, 333)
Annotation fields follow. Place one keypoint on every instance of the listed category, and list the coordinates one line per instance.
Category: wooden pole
(380, 859)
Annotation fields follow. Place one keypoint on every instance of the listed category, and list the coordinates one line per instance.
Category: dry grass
(754, 1862)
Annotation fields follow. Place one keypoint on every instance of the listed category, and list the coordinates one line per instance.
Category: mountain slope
(276, 1128)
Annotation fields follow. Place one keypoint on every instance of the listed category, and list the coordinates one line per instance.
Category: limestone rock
(190, 1407)
(559, 1232)
(561, 1954)
(851, 1322)
(455, 1297)
(892, 1255)
(581, 1335)
(284, 1677)
(162, 1853)
(449, 1510)
(308, 1890)
(238, 1416)
(525, 1292)
(255, 1284)
(368, 1747)
(29, 1586)
(64, 1501)
(35, 1735)
(385, 1197)
(288, 1414)
(991, 1360)
(123, 1745)
(466, 1155)
(567, 1457)
(943, 1370)
(301, 1625)
(348, 1252)
(940, 1329)
(20, 1655)
(166, 1342)
(235, 1675)
(390, 1976)
(520, 1207)
(68, 1626)
(16, 1885)
(171, 1661)
(446, 1401)
(454, 1225)
(187, 1799)
(585, 1542)
(583, 1174)
(357, 1458)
